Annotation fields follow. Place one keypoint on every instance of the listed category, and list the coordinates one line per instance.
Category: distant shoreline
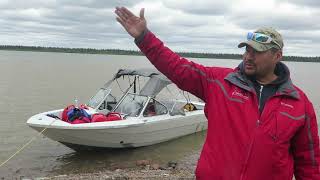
(138, 53)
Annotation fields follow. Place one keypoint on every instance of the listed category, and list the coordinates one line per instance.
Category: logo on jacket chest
(240, 93)
(287, 105)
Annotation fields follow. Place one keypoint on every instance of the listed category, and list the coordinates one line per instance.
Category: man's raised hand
(132, 24)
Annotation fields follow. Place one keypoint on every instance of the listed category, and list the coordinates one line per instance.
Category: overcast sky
(214, 26)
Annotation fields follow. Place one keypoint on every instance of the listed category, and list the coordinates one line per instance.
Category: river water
(33, 82)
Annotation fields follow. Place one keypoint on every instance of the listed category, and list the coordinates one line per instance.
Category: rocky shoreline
(145, 169)
(136, 174)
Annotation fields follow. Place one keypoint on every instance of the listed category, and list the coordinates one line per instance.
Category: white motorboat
(170, 117)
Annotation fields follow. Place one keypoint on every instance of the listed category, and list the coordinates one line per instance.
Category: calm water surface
(33, 82)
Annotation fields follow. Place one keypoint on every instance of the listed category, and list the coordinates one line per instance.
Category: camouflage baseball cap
(277, 41)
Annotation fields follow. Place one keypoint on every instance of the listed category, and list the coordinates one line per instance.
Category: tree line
(138, 53)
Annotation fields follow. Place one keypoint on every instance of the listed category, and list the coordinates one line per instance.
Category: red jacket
(241, 144)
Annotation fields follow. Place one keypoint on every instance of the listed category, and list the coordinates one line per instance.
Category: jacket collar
(285, 85)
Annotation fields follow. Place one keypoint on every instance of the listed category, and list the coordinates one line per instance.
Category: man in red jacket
(260, 125)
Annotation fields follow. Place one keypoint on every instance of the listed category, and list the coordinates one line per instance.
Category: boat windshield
(132, 104)
(97, 99)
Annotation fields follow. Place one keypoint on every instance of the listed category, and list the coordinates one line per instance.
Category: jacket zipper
(261, 88)
(258, 122)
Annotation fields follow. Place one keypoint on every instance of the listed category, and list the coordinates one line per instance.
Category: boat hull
(142, 132)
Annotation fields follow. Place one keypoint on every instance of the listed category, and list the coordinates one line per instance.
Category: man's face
(260, 64)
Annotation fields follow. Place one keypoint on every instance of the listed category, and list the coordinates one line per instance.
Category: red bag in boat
(111, 116)
(65, 111)
(99, 117)
(81, 117)
(81, 120)
(83, 106)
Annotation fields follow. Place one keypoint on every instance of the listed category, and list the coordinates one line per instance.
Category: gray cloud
(60, 24)
(98, 3)
(286, 22)
(21, 4)
(202, 26)
(311, 3)
(34, 4)
(201, 7)
(280, 14)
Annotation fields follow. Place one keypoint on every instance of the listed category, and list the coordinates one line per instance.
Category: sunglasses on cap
(261, 38)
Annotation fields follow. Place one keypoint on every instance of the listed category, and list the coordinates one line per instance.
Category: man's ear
(279, 55)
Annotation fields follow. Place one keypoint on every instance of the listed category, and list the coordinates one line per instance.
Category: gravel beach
(182, 169)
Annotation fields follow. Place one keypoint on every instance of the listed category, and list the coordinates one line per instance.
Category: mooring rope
(25, 145)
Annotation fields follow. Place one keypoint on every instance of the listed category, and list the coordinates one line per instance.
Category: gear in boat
(135, 108)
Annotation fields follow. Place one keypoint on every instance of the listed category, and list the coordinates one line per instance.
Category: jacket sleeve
(306, 148)
(187, 75)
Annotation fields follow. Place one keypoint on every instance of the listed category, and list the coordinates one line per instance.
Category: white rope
(25, 145)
